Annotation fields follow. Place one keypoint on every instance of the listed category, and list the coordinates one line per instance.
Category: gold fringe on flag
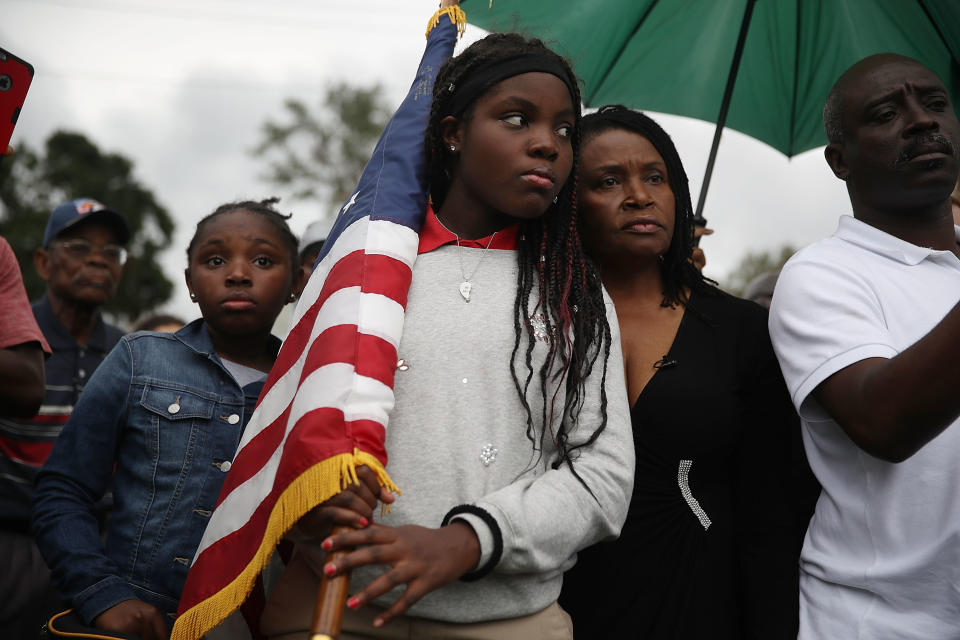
(317, 484)
(456, 15)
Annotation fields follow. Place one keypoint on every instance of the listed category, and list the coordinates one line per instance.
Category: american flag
(325, 406)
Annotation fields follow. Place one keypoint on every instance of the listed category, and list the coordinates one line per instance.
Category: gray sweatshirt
(457, 436)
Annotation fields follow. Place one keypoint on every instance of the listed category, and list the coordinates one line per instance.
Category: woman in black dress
(709, 549)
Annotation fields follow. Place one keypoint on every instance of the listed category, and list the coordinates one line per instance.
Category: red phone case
(15, 77)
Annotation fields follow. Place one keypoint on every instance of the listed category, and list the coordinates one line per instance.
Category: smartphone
(16, 75)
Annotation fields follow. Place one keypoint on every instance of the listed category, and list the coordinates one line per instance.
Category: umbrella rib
(626, 41)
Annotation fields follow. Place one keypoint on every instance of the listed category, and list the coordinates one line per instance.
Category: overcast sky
(182, 87)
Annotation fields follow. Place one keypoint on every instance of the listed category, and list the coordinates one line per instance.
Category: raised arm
(892, 407)
(22, 376)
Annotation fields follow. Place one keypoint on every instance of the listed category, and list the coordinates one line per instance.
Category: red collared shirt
(434, 235)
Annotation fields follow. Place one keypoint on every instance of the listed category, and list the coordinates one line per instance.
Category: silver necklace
(466, 285)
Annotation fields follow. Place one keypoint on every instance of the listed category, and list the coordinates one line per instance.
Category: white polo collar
(872, 239)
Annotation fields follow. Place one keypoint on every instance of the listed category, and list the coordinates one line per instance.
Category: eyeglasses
(80, 249)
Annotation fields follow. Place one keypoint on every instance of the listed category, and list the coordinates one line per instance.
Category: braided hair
(554, 273)
(678, 272)
(263, 208)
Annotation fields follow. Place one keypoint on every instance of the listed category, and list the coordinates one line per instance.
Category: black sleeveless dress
(710, 547)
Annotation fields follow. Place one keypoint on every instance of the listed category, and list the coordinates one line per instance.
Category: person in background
(311, 243)
(163, 322)
(697, 256)
(81, 261)
(22, 351)
(760, 289)
(709, 548)
(866, 325)
(22, 345)
(161, 419)
(309, 248)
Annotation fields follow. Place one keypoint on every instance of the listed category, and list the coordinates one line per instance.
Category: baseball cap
(70, 213)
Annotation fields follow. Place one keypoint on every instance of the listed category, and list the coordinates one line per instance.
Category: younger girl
(160, 421)
(510, 434)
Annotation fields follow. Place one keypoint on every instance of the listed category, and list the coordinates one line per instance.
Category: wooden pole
(331, 599)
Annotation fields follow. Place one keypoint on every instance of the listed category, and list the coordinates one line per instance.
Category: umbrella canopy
(674, 56)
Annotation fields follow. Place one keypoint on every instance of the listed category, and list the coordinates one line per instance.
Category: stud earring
(453, 148)
(193, 296)
(293, 297)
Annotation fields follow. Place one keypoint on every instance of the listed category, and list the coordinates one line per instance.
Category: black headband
(493, 72)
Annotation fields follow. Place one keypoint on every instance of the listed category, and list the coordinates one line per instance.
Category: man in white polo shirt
(866, 326)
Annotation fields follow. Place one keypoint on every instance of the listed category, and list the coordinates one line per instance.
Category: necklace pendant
(465, 287)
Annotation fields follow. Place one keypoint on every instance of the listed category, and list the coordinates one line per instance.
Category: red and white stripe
(334, 374)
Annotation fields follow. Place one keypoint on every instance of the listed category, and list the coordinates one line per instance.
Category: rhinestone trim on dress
(683, 479)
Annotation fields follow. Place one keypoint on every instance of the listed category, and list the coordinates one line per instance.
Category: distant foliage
(755, 263)
(319, 155)
(70, 166)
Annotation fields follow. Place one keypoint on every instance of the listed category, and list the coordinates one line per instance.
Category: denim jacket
(160, 419)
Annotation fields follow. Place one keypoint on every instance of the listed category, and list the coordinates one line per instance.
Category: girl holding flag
(510, 434)
(471, 340)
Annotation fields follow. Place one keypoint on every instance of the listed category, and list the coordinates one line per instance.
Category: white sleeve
(544, 520)
(825, 316)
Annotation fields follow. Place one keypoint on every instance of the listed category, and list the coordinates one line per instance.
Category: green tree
(320, 155)
(753, 264)
(71, 166)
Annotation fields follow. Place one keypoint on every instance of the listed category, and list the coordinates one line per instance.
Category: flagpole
(331, 599)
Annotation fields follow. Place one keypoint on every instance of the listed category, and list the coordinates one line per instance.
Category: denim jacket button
(174, 408)
(225, 466)
(233, 418)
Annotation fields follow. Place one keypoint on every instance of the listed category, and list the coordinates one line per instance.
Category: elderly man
(867, 329)
(81, 262)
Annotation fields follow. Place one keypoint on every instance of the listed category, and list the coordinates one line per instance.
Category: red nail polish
(327, 544)
(353, 603)
(329, 569)
(364, 522)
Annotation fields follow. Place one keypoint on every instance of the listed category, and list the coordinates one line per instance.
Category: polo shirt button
(233, 418)
(174, 408)
(82, 373)
(225, 466)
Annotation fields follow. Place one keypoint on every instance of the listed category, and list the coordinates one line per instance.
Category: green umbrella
(682, 56)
